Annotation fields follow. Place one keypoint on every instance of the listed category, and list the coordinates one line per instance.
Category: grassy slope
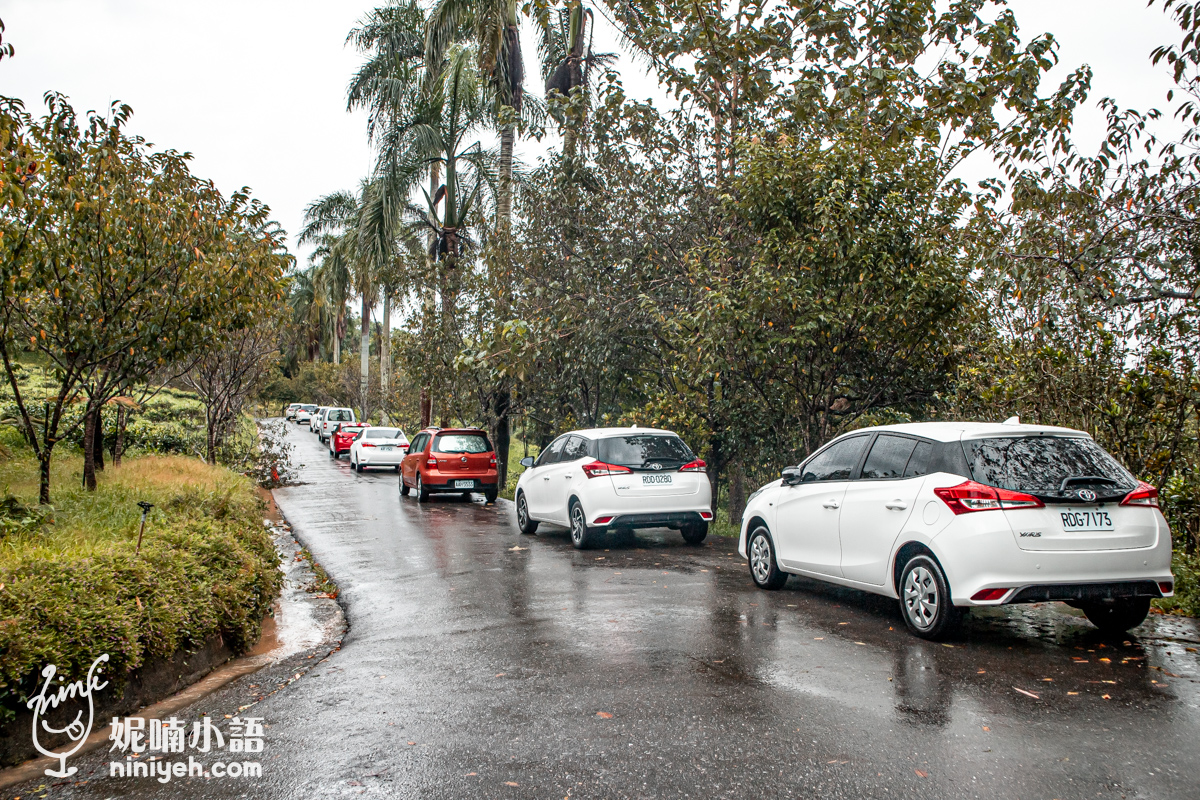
(71, 588)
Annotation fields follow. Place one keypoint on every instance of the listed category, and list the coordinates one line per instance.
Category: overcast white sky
(255, 89)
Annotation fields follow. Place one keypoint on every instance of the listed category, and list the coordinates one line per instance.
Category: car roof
(955, 431)
(439, 431)
(608, 433)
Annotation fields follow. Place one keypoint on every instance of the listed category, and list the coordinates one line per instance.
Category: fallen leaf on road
(1106, 697)
(1189, 649)
(412, 743)
(1072, 692)
(843, 623)
(1106, 660)
(604, 715)
(471, 774)
(981, 672)
(986, 728)
(501, 674)
(722, 661)
(947, 645)
(511, 783)
(1027, 694)
(921, 773)
(818, 638)
(864, 644)
(517, 547)
(1050, 680)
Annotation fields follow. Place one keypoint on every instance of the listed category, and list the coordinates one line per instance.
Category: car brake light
(694, 466)
(602, 520)
(431, 462)
(1144, 495)
(1166, 587)
(493, 461)
(989, 594)
(367, 444)
(597, 469)
(970, 496)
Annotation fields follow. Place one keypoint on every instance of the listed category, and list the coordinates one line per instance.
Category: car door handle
(831, 504)
(546, 478)
(570, 476)
(896, 505)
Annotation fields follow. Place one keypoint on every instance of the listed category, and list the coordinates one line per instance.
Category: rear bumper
(662, 519)
(1083, 592)
(381, 459)
(478, 484)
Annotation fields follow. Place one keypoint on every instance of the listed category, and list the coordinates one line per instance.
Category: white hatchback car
(948, 515)
(378, 447)
(315, 418)
(329, 419)
(304, 414)
(621, 478)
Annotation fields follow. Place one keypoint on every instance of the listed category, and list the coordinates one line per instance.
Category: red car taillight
(986, 595)
(970, 496)
(493, 461)
(597, 469)
(1144, 495)
(367, 444)
(694, 466)
(431, 462)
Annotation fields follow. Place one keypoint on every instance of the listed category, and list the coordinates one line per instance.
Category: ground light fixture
(142, 529)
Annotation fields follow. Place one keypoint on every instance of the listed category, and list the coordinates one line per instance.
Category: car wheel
(582, 536)
(357, 466)
(490, 496)
(925, 599)
(765, 573)
(1118, 615)
(694, 534)
(403, 486)
(526, 525)
(422, 492)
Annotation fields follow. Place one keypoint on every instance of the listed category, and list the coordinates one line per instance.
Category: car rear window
(309, 408)
(340, 415)
(382, 433)
(461, 443)
(1047, 466)
(641, 450)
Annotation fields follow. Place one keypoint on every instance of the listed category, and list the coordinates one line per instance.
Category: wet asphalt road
(483, 663)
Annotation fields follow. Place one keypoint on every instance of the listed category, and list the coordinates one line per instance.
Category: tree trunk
(364, 369)
(89, 450)
(337, 340)
(210, 437)
(385, 353)
(98, 444)
(737, 494)
(119, 440)
(508, 137)
(426, 408)
(44, 475)
(501, 437)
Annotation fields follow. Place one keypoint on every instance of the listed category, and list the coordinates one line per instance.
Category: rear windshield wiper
(1086, 480)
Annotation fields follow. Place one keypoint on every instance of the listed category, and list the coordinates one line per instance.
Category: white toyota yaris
(948, 515)
(621, 478)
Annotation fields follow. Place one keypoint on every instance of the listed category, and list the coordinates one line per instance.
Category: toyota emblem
(464, 458)
(656, 466)
(1087, 495)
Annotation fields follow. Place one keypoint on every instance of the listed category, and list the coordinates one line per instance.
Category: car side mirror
(527, 462)
(791, 476)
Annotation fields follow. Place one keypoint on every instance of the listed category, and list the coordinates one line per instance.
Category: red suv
(343, 436)
(449, 460)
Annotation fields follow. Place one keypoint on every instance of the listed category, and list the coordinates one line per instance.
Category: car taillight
(970, 496)
(598, 469)
(367, 444)
(1144, 495)
(602, 520)
(431, 462)
(694, 466)
(1166, 587)
(705, 515)
(493, 461)
(989, 594)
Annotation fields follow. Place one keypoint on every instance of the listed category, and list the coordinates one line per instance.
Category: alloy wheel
(522, 512)
(578, 524)
(921, 597)
(760, 558)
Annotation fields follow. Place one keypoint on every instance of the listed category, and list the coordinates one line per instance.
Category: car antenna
(1016, 420)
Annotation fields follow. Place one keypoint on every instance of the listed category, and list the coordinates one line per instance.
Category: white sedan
(378, 447)
(621, 478)
(944, 516)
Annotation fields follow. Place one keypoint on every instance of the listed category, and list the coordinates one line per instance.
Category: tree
(116, 262)
(228, 375)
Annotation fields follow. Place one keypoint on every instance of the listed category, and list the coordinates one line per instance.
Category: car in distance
(449, 460)
(378, 447)
(330, 417)
(304, 414)
(343, 436)
(623, 478)
(290, 411)
(945, 516)
(315, 418)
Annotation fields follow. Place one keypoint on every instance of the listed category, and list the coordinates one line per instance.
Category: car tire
(422, 492)
(403, 486)
(357, 466)
(489, 497)
(525, 524)
(694, 534)
(582, 535)
(1117, 615)
(764, 570)
(925, 601)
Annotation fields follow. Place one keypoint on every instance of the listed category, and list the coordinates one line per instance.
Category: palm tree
(568, 63)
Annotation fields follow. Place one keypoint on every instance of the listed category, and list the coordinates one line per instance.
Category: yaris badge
(1086, 495)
